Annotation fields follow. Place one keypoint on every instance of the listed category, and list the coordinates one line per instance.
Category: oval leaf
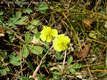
(25, 51)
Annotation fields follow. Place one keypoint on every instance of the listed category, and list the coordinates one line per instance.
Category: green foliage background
(21, 50)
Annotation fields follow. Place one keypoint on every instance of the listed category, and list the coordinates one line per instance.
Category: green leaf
(64, 78)
(72, 70)
(77, 66)
(35, 22)
(42, 8)
(29, 27)
(31, 78)
(59, 56)
(28, 38)
(18, 14)
(35, 31)
(24, 18)
(23, 78)
(27, 10)
(21, 21)
(17, 20)
(4, 71)
(37, 35)
(30, 65)
(56, 75)
(92, 34)
(1, 13)
(11, 22)
(4, 55)
(25, 51)
(14, 59)
(11, 38)
(39, 77)
(69, 61)
(36, 49)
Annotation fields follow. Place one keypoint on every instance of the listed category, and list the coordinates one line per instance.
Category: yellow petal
(48, 38)
(54, 32)
(43, 38)
(60, 42)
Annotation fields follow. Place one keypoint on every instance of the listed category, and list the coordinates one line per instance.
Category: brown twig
(64, 58)
(91, 77)
(96, 71)
(38, 67)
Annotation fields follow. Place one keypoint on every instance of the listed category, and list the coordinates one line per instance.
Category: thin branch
(38, 67)
(64, 59)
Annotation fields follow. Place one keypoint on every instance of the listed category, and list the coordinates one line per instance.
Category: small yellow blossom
(60, 43)
(48, 33)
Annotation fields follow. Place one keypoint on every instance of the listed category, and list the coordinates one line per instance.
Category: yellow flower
(48, 33)
(60, 43)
